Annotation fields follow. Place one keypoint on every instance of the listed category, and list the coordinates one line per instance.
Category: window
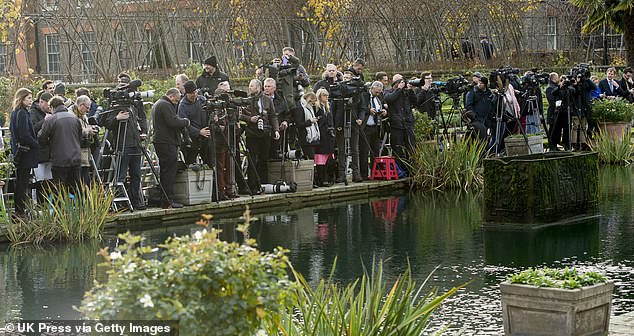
(50, 5)
(551, 33)
(53, 54)
(411, 43)
(3, 57)
(194, 45)
(87, 50)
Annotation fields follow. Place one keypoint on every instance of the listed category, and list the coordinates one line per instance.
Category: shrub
(613, 150)
(457, 165)
(612, 110)
(423, 126)
(568, 278)
(365, 307)
(64, 217)
(212, 287)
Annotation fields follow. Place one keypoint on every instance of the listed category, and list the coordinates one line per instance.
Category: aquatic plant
(455, 165)
(64, 216)
(568, 278)
(613, 150)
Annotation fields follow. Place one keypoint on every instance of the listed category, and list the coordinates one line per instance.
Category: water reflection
(46, 282)
(428, 231)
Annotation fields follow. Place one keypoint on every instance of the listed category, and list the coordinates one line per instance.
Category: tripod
(501, 127)
(119, 152)
(342, 105)
(531, 108)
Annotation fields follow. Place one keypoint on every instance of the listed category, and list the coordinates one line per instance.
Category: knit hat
(190, 87)
(46, 96)
(212, 61)
(60, 89)
(477, 74)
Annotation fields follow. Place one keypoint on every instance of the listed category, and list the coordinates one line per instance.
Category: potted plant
(614, 116)
(517, 145)
(556, 302)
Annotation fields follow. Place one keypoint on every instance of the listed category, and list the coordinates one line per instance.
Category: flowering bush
(210, 286)
(612, 110)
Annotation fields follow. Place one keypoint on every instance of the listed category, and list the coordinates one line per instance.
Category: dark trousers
(167, 155)
(130, 162)
(354, 151)
(402, 142)
(561, 126)
(21, 196)
(369, 144)
(258, 171)
(66, 176)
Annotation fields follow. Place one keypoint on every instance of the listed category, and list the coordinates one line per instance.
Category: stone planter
(615, 130)
(192, 187)
(530, 310)
(517, 145)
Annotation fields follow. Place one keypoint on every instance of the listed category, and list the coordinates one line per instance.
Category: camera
(279, 187)
(535, 79)
(293, 154)
(580, 72)
(452, 87)
(503, 74)
(348, 89)
(126, 95)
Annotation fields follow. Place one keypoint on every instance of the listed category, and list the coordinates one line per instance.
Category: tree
(619, 14)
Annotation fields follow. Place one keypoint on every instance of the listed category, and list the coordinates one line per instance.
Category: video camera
(453, 86)
(126, 95)
(503, 74)
(581, 72)
(348, 89)
(231, 99)
(534, 79)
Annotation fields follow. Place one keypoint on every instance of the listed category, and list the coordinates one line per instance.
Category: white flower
(115, 255)
(146, 300)
(129, 267)
(199, 234)
(261, 333)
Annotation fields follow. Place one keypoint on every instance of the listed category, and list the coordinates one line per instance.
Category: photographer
(480, 101)
(559, 94)
(261, 122)
(167, 137)
(127, 128)
(326, 148)
(37, 113)
(224, 131)
(89, 136)
(400, 99)
(425, 97)
(212, 76)
(63, 132)
(191, 107)
(328, 78)
(583, 101)
(357, 68)
(370, 144)
(292, 78)
(284, 117)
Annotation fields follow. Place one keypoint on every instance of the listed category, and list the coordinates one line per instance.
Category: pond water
(441, 231)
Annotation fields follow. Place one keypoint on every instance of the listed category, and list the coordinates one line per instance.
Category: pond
(433, 232)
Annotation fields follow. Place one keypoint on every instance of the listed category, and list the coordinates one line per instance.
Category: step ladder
(120, 196)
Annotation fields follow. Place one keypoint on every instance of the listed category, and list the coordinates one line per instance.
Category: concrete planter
(530, 310)
(192, 187)
(517, 146)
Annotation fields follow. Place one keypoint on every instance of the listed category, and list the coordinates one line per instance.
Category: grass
(64, 218)
(455, 166)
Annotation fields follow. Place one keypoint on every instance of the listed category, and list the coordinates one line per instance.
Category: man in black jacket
(167, 138)
(212, 76)
(128, 127)
(627, 84)
(400, 100)
(610, 88)
(284, 117)
(191, 107)
(62, 131)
